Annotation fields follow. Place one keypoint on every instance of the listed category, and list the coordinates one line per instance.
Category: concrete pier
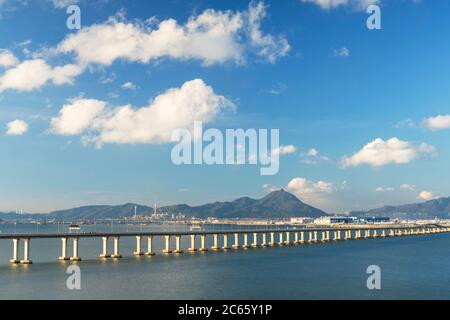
(225, 242)
(296, 238)
(203, 243)
(280, 239)
(15, 258)
(245, 245)
(166, 249)
(288, 238)
(192, 247)
(64, 256)
(272, 239)
(75, 256)
(105, 254)
(236, 241)
(116, 254)
(264, 240)
(178, 244)
(26, 252)
(255, 240)
(302, 237)
(150, 246)
(138, 251)
(215, 246)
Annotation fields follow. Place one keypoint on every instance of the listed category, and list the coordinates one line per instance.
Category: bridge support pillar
(150, 246)
(105, 254)
(302, 237)
(272, 239)
(64, 256)
(26, 252)
(178, 244)
(280, 239)
(215, 246)
(116, 254)
(264, 240)
(296, 238)
(367, 233)
(225, 242)
(166, 249)
(192, 247)
(288, 238)
(75, 256)
(138, 251)
(255, 240)
(203, 243)
(236, 241)
(245, 241)
(15, 258)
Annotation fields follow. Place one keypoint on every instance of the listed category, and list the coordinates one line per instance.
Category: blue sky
(365, 113)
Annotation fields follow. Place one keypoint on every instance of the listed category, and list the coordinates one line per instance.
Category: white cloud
(384, 189)
(439, 122)
(409, 187)
(269, 47)
(321, 193)
(16, 128)
(426, 195)
(304, 186)
(129, 86)
(312, 156)
(342, 52)
(64, 3)
(330, 4)
(173, 109)
(212, 37)
(284, 150)
(33, 74)
(77, 116)
(379, 153)
(7, 58)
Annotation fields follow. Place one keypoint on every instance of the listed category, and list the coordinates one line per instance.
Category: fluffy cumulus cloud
(77, 116)
(16, 128)
(33, 74)
(7, 58)
(426, 195)
(393, 151)
(173, 109)
(439, 122)
(211, 37)
(318, 193)
(330, 4)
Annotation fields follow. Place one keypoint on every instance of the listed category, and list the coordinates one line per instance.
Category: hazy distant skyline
(86, 116)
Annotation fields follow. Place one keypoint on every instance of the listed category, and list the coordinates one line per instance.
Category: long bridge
(260, 238)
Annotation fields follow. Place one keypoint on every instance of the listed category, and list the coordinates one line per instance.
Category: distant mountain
(439, 208)
(277, 204)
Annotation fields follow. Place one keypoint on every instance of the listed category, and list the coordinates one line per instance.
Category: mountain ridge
(435, 208)
(277, 204)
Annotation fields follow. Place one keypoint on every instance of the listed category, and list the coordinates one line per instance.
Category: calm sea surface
(414, 267)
